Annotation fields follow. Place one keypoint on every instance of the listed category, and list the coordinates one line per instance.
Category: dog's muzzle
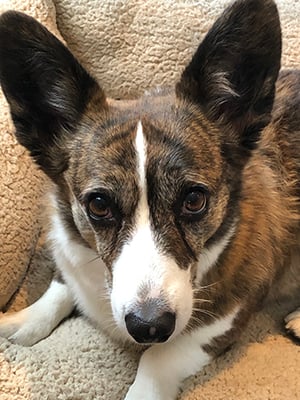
(150, 324)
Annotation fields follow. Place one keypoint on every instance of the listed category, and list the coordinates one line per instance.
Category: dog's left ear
(233, 73)
(46, 87)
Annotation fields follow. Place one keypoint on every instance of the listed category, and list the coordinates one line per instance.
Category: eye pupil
(194, 202)
(98, 208)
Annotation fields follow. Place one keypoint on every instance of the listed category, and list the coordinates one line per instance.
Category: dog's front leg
(30, 325)
(163, 367)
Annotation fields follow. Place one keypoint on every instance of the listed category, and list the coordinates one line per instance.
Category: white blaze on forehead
(141, 151)
(142, 268)
(141, 148)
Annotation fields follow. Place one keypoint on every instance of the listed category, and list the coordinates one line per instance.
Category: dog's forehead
(177, 144)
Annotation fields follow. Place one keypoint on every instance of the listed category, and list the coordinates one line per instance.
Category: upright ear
(46, 88)
(233, 73)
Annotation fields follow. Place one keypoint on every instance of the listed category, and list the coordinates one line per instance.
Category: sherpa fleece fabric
(129, 46)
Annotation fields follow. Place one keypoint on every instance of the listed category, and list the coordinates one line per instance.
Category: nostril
(152, 330)
(166, 325)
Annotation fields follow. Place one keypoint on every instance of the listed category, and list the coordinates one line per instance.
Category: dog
(171, 216)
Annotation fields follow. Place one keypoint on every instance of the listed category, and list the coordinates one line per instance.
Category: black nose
(150, 330)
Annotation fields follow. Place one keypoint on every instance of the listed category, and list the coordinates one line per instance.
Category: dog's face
(151, 185)
(147, 200)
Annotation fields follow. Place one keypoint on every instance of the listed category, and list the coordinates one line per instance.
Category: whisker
(199, 288)
(203, 301)
(93, 259)
(206, 312)
(198, 321)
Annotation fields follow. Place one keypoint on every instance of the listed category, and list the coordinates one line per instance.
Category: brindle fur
(216, 128)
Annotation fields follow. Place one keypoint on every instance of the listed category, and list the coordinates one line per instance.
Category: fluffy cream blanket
(129, 46)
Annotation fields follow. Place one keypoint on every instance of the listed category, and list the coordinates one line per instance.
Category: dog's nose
(150, 330)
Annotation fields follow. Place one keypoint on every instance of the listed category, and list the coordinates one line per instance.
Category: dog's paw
(147, 392)
(37, 321)
(22, 327)
(134, 394)
(292, 323)
(137, 394)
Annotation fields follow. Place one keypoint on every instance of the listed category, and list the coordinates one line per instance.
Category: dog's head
(151, 185)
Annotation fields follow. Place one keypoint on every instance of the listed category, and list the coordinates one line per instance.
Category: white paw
(134, 394)
(293, 323)
(37, 321)
(149, 391)
(22, 327)
(144, 393)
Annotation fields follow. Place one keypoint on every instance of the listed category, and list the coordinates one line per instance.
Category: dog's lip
(149, 342)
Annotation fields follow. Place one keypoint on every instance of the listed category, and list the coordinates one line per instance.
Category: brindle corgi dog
(171, 215)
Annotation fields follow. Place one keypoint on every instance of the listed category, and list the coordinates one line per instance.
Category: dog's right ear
(232, 75)
(45, 86)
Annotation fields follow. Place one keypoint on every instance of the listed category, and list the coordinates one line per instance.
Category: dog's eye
(195, 202)
(99, 208)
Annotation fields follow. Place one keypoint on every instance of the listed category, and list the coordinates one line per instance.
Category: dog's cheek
(84, 227)
(102, 241)
(180, 293)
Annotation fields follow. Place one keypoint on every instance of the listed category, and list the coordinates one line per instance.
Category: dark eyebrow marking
(117, 138)
(113, 131)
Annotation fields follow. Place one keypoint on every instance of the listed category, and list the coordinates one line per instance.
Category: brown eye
(195, 202)
(98, 208)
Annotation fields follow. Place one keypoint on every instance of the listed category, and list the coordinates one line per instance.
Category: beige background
(129, 46)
